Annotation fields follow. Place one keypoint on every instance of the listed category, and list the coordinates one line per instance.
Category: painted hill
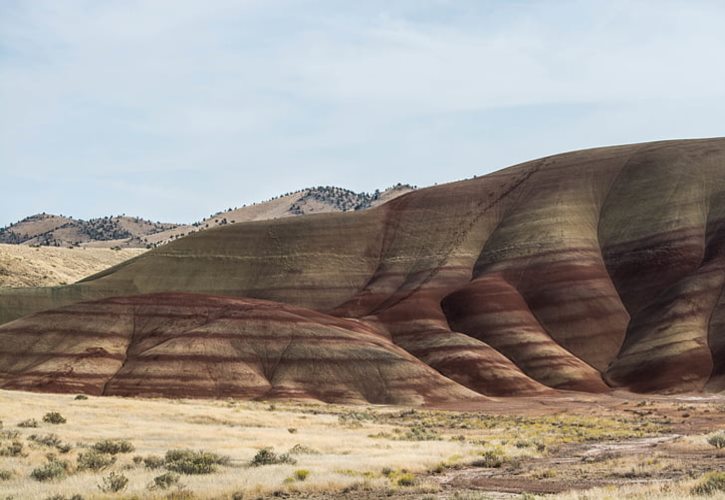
(122, 231)
(584, 271)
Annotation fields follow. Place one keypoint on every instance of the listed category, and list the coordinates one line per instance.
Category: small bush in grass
(81, 397)
(113, 447)
(5, 475)
(63, 497)
(137, 459)
(166, 481)
(193, 462)
(95, 461)
(113, 483)
(300, 449)
(14, 449)
(53, 417)
(267, 456)
(153, 462)
(490, 459)
(710, 484)
(52, 469)
(301, 474)
(405, 479)
(717, 440)
(52, 441)
(29, 423)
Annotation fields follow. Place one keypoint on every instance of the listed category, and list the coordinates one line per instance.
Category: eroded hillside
(584, 271)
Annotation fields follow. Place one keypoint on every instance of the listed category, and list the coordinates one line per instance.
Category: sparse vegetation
(267, 456)
(717, 440)
(113, 483)
(336, 452)
(51, 470)
(490, 459)
(166, 481)
(95, 461)
(5, 475)
(53, 417)
(13, 449)
(29, 423)
(113, 446)
(153, 462)
(52, 441)
(301, 474)
(711, 483)
(193, 462)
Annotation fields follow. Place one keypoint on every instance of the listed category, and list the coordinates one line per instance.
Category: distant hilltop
(123, 231)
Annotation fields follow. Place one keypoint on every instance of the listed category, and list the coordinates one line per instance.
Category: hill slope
(24, 266)
(122, 231)
(582, 271)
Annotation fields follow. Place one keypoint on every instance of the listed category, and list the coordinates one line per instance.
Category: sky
(175, 109)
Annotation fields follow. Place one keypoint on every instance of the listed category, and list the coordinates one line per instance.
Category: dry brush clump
(193, 461)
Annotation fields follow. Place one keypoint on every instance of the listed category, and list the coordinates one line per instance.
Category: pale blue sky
(173, 109)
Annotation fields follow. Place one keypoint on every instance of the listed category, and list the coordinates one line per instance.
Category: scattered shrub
(153, 462)
(29, 423)
(490, 459)
(53, 417)
(717, 440)
(420, 433)
(51, 440)
(113, 447)
(63, 497)
(137, 459)
(14, 449)
(113, 483)
(301, 474)
(267, 456)
(166, 480)
(95, 461)
(81, 397)
(299, 449)
(52, 469)
(5, 475)
(405, 479)
(292, 430)
(193, 462)
(711, 483)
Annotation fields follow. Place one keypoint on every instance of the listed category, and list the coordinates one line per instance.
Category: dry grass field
(25, 266)
(572, 447)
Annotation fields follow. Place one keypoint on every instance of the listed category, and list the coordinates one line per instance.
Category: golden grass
(235, 429)
(379, 449)
(25, 266)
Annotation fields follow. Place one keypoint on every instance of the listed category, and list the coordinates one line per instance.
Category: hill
(60, 231)
(585, 271)
(24, 266)
(122, 231)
